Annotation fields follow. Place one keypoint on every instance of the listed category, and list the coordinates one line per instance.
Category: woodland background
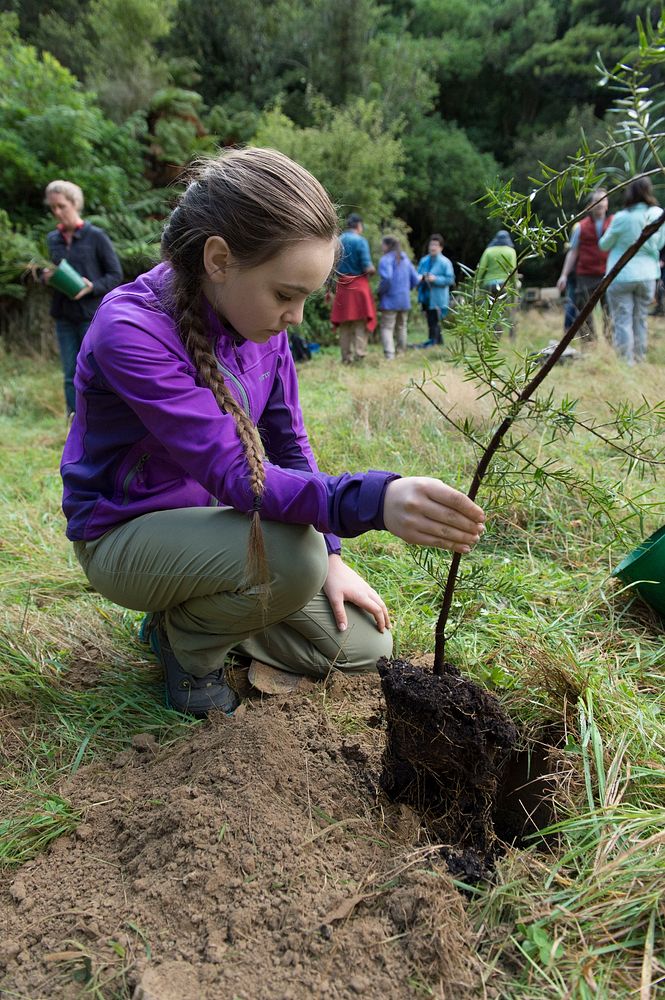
(406, 110)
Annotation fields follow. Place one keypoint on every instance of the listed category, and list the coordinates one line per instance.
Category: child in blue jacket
(437, 278)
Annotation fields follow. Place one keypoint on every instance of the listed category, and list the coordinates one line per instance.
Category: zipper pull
(237, 357)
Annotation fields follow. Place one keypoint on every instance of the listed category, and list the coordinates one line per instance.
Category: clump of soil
(451, 753)
(250, 860)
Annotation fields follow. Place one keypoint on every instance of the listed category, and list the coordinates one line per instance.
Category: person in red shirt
(587, 260)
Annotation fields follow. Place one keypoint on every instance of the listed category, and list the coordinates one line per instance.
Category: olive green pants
(190, 564)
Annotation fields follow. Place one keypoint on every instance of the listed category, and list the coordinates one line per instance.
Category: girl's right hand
(426, 511)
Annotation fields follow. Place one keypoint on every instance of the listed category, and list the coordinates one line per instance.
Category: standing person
(398, 277)
(353, 310)
(587, 259)
(633, 290)
(659, 309)
(90, 252)
(497, 276)
(434, 291)
(570, 309)
(190, 488)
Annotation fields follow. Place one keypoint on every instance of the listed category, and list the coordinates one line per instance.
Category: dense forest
(406, 109)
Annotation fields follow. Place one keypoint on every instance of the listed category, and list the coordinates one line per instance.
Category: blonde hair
(261, 202)
(72, 192)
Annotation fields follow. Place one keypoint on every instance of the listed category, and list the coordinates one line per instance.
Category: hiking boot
(185, 692)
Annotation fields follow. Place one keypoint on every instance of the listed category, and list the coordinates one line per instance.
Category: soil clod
(450, 753)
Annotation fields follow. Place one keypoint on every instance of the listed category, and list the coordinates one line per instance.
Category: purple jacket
(397, 280)
(148, 437)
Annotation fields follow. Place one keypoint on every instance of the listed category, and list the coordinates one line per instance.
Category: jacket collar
(78, 232)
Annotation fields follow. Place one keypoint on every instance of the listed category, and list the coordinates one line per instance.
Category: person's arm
(414, 277)
(444, 277)
(611, 234)
(385, 274)
(655, 212)
(109, 265)
(365, 257)
(569, 262)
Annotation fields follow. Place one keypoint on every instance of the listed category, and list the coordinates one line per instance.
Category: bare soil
(254, 859)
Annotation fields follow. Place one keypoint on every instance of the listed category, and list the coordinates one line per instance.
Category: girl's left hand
(344, 584)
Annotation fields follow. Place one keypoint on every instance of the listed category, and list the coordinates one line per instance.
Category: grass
(537, 618)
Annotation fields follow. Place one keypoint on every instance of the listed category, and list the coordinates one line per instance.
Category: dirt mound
(250, 861)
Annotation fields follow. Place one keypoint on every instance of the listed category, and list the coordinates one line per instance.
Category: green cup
(67, 279)
(645, 569)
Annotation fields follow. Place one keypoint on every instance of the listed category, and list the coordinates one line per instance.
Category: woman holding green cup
(86, 267)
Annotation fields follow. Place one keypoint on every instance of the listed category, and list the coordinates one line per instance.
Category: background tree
(450, 94)
(351, 150)
(50, 127)
(446, 177)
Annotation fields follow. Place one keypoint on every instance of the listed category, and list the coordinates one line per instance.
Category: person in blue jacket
(433, 293)
(398, 276)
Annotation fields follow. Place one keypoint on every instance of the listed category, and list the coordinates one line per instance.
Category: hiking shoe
(185, 692)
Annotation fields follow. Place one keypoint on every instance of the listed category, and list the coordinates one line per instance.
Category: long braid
(188, 298)
(260, 202)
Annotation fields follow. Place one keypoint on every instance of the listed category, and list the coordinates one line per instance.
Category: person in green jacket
(496, 275)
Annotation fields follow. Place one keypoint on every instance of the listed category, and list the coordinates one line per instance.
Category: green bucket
(67, 279)
(645, 569)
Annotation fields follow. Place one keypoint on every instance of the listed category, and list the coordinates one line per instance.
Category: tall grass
(578, 912)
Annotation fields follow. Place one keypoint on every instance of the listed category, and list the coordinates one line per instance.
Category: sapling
(515, 405)
(449, 744)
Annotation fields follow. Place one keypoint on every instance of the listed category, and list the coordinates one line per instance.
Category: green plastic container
(67, 279)
(645, 569)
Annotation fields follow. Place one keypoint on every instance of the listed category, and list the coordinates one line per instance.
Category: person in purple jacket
(190, 488)
(398, 276)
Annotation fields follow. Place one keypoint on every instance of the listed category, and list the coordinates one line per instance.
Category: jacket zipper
(236, 355)
(131, 475)
(239, 386)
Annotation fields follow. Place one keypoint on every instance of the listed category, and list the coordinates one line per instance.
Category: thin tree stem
(506, 423)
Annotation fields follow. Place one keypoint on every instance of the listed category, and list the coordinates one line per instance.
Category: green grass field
(537, 619)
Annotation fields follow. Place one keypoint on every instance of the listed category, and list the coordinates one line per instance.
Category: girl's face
(64, 210)
(259, 302)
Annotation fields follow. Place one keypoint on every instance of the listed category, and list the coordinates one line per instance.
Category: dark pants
(70, 337)
(434, 326)
(585, 284)
(570, 314)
